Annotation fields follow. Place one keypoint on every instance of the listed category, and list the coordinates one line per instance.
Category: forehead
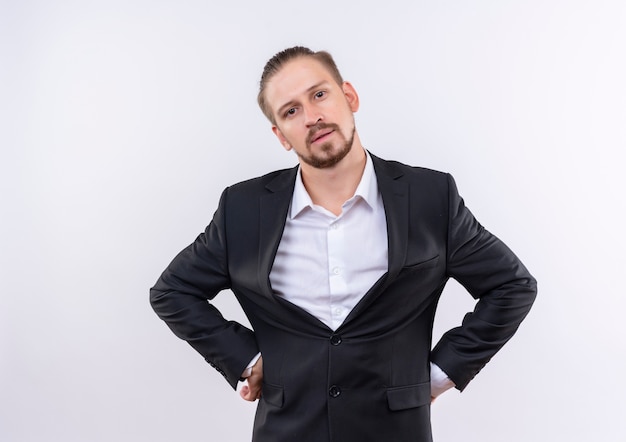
(296, 77)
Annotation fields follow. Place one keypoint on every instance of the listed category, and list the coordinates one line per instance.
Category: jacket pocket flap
(429, 263)
(273, 394)
(411, 396)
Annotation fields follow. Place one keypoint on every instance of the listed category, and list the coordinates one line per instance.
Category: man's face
(313, 114)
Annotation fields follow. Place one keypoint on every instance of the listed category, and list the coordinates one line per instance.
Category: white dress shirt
(325, 263)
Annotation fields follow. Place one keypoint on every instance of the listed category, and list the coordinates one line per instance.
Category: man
(339, 264)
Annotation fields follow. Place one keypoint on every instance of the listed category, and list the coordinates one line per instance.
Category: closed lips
(321, 135)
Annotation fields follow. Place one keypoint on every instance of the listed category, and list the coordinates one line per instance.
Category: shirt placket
(337, 272)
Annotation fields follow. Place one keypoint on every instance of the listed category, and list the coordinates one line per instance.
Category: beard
(328, 155)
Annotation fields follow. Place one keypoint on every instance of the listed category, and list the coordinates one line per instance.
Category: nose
(312, 116)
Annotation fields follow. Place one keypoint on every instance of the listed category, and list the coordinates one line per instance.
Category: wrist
(248, 370)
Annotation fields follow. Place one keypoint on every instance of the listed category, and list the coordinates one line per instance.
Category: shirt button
(335, 340)
(337, 311)
(336, 270)
(334, 391)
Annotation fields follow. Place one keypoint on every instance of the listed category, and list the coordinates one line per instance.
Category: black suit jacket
(369, 379)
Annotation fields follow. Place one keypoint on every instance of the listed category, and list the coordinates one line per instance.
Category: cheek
(291, 138)
(296, 134)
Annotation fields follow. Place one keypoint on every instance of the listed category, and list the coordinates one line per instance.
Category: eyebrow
(290, 102)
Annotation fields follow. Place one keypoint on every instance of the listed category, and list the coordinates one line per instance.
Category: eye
(320, 94)
(290, 112)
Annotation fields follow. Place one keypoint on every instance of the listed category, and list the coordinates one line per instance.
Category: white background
(122, 121)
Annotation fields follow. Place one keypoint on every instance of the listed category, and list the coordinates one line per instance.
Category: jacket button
(335, 340)
(334, 391)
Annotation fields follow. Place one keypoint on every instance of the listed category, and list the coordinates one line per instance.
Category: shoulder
(244, 199)
(269, 182)
(414, 174)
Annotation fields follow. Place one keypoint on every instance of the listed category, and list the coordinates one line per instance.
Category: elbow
(532, 287)
(158, 299)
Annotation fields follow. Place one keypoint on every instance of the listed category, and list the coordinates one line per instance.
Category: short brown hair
(280, 59)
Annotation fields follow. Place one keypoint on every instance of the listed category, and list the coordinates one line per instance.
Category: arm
(180, 297)
(491, 273)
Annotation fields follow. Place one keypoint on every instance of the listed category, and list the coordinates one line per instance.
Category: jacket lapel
(273, 215)
(395, 195)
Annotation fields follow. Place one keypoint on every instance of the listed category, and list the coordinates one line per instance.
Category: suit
(369, 379)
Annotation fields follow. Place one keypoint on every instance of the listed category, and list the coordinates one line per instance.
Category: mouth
(321, 135)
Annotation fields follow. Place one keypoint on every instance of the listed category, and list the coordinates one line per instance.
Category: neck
(333, 186)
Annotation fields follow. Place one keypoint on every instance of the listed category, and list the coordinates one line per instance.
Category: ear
(281, 138)
(351, 96)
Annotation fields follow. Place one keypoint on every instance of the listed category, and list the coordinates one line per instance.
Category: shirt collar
(367, 189)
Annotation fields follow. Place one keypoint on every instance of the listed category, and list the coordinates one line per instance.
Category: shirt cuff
(439, 381)
(248, 371)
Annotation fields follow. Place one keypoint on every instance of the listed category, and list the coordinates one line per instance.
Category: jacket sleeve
(181, 297)
(491, 273)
